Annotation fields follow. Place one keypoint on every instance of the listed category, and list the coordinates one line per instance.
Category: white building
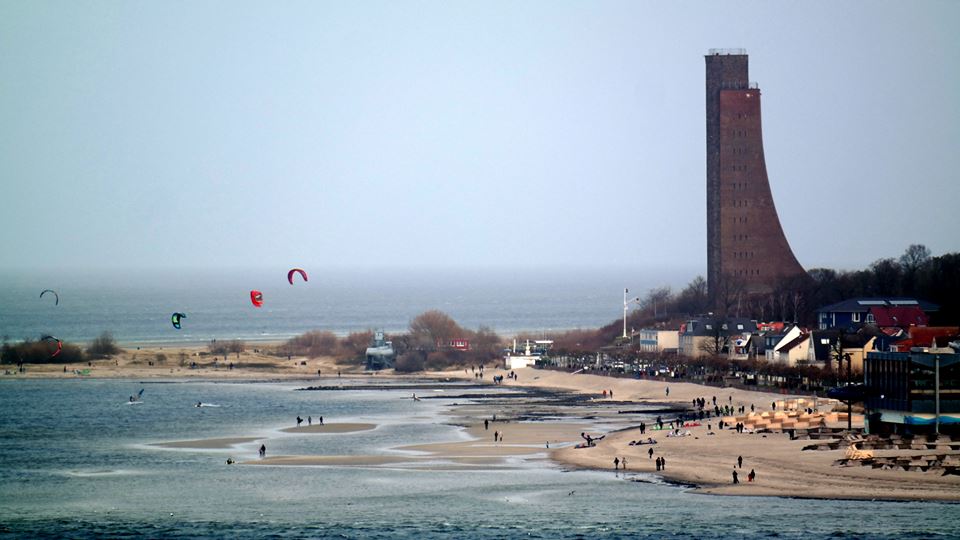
(655, 341)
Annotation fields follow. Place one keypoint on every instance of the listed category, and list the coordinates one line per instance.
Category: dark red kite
(257, 298)
(59, 345)
(296, 271)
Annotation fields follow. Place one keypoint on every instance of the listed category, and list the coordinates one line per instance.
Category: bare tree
(432, 327)
(797, 302)
(914, 257)
(728, 291)
(718, 337)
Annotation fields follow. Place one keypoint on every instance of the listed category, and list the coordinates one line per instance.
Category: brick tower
(745, 241)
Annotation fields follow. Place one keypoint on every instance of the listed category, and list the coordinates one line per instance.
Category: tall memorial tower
(745, 241)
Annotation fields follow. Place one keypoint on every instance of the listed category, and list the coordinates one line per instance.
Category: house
(924, 337)
(883, 312)
(824, 346)
(709, 335)
(654, 340)
(743, 347)
(792, 347)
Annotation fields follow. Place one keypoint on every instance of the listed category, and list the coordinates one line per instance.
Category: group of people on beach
(309, 420)
(477, 372)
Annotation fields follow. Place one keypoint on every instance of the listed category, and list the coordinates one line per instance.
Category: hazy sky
(198, 134)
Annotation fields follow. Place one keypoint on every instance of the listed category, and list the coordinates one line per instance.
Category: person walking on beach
(650, 453)
(299, 420)
(263, 451)
(668, 391)
(321, 420)
(751, 476)
(616, 464)
(496, 435)
(740, 461)
(309, 420)
(663, 464)
(735, 479)
(643, 428)
(658, 464)
(486, 424)
(624, 462)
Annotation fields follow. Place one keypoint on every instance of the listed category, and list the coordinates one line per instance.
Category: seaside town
(444, 271)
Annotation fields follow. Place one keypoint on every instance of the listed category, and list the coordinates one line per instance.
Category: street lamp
(841, 356)
(626, 303)
(846, 356)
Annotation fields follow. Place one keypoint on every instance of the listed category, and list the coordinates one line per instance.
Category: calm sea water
(136, 306)
(77, 463)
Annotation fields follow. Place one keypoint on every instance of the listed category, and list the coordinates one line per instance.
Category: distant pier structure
(746, 247)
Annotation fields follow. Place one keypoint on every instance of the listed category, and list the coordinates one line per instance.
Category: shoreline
(703, 461)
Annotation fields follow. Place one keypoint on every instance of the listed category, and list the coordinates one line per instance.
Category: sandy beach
(705, 460)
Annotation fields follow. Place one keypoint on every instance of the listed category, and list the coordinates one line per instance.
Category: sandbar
(345, 427)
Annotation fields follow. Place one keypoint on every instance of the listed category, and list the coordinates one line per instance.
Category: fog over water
(136, 306)
(491, 134)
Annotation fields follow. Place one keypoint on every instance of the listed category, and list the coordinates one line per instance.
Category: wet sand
(208, 444)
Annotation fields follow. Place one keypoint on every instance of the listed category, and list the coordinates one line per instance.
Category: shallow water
(77, 463)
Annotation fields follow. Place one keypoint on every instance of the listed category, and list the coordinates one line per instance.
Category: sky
(461, 134)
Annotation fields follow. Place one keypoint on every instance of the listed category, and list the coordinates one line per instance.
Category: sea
(135, 306)
(79, 462)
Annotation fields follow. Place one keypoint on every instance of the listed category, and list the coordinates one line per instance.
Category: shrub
(354, 346)
(438, 360)
(103, 346)
(312, 344)
(226, 347)
(409, 362)
(38, 352)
